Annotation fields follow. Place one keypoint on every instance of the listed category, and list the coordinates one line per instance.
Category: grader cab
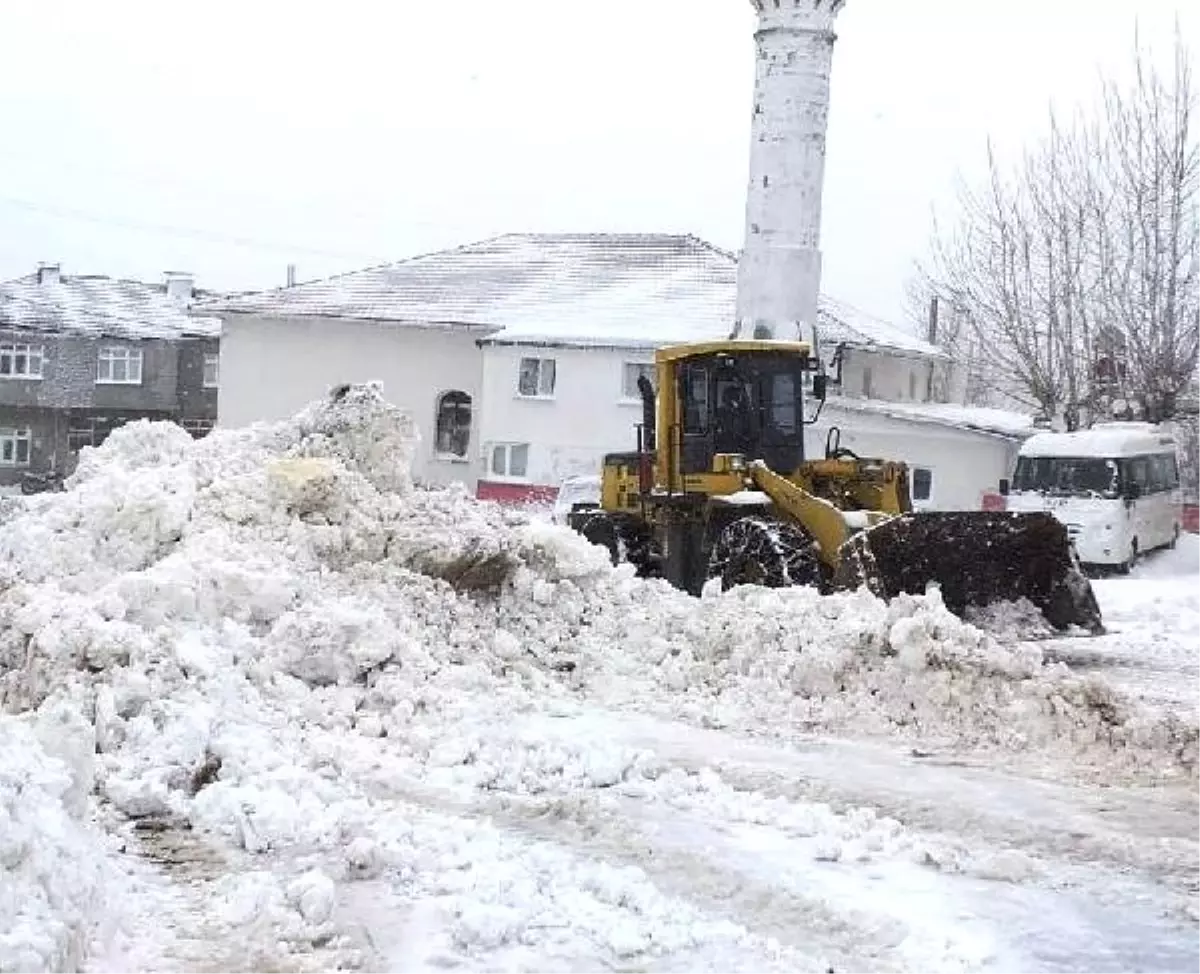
(719, 487)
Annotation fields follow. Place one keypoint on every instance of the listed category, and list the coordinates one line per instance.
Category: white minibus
(1115, 487)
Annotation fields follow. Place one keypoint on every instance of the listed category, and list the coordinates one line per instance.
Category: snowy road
(704, 849)
(723, 854)
(1152, 646)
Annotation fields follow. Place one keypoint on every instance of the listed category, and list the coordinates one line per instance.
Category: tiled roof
(579, 289)
(96, 305)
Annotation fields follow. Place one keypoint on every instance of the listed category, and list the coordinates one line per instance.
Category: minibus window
(1067, 476)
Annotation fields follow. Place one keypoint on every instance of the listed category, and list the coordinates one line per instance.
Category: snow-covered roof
(98, 305)
(979, 419)
(1102, 440)
(597, 289)
(842, 322)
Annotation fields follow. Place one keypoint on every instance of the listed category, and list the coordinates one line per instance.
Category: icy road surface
(264, 706)
(735, 855)
(1152, 646)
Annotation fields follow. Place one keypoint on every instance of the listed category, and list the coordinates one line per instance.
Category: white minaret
(779, 276)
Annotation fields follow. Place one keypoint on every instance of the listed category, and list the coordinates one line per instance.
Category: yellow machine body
(720, 485)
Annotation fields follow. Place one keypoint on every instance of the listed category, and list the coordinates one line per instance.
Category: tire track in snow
(707, 856)
(1151, 829)
(176, 917)
(585, 825)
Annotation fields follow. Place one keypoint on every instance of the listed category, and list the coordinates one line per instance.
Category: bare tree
(1013, 266)
(1076, 271)
(1148, 232)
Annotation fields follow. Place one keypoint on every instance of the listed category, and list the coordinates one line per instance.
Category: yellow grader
(719, 487)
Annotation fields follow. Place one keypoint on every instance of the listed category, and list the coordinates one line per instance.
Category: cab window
(693, 382)
(782, 403)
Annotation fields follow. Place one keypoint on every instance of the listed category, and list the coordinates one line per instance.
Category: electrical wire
(250, 243)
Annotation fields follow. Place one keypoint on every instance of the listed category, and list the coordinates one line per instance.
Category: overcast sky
(231, 138)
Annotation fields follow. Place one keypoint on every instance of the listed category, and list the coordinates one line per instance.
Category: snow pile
(791, 660)
(267, 633)
(1011, 621)
(54, 879)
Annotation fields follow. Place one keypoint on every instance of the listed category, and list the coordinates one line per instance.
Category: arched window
(453, 424)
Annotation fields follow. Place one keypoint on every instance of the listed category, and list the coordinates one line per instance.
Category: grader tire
(761, 551)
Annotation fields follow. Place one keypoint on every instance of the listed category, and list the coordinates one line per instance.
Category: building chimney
(49, 273)
(779, 274)
(933, 320)
(291, 275)
(179, 285)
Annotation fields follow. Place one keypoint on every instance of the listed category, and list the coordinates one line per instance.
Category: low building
(519, 357)
(80, 355)
(957, 455)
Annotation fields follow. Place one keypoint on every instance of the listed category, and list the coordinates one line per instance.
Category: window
(198, 428)
(912, 386)
(866, 382)
(1158, 474)
(1067, 476)
(1172, 465)
(1137, 471)
(91, 430)
(629, 378)
(20, 361)
(693, 386)
(119, 366)
(1164, 472)
(212, 371)
(784, 414)
(536, 377)
(510, 459)
(83, 431)
(453, 427)
(14, 447)
(922, 483)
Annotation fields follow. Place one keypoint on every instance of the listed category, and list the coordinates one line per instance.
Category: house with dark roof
(519, 356)
(82, 354)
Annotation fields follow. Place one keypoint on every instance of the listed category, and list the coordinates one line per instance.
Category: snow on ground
(1152, 647)
(327, 719)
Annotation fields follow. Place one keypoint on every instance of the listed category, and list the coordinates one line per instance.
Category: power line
(209, 236)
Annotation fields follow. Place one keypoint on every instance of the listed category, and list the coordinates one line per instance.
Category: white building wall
(893, 378)
(568, 433)
(964, 464)
(271, 368)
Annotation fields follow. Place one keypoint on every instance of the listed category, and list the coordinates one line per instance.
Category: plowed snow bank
(53, 875)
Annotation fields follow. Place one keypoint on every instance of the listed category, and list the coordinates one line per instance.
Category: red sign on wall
(1191, 518)
(993, 502)
(505, 493)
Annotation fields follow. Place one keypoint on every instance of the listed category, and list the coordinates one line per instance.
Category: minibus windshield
(1068, 476)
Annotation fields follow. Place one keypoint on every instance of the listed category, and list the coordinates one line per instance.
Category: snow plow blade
(977, 558)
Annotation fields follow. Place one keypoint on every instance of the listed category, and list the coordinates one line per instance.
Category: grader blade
(977, 558)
